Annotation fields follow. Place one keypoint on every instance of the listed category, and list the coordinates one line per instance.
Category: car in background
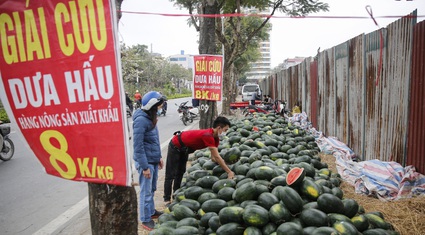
(248, 90)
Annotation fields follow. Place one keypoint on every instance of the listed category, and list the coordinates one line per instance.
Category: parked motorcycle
(128, 110)
(136, 105)
(280, 107)
(7, 148)
(187, 113)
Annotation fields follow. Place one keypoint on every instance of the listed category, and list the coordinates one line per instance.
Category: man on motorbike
(138, 98)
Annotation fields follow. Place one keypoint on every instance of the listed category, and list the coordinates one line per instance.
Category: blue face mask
(159, 111)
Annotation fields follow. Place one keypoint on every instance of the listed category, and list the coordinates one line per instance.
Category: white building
(262, 67)
(292, 61)
(186, 61)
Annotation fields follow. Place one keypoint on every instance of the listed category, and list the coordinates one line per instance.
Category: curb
(62, 221)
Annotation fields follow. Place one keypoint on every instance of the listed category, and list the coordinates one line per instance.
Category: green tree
(144, 71)
(240, 39)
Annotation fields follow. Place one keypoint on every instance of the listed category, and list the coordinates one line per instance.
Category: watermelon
(278, 213)
(295, 176)
(330, 203)
(231, 214)
(232, 155)
(255, 215)
(289, 228)
(231, 229)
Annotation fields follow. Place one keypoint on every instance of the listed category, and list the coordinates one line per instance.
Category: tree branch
(194, 20)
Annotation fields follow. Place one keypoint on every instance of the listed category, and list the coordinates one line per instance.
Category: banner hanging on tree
(60, 84)
(208, 77)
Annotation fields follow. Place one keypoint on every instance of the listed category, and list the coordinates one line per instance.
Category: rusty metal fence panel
(279, 82)
(326, 92)
(374, 100)
(287, 84)
(396, 94)
(360, 91)
(305, 77)
(313, 95)
(294, 83)
(416, 136)
(355, 94)
(341, 81)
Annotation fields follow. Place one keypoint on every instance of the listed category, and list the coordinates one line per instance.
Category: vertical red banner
(208, 77)
(60, 83)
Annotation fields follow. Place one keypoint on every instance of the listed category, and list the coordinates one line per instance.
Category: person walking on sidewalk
(184, 143)
(147, 155)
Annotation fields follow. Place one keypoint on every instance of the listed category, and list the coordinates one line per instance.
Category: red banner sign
(60, 84)
(208, 77)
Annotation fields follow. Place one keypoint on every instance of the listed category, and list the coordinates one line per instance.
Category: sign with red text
(60, 84)
(208, 77)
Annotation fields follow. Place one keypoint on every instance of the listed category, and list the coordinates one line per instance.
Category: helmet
(150, 99)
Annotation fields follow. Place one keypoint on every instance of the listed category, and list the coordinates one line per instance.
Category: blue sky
(289, 37)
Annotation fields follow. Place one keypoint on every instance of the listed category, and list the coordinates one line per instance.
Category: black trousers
(175, 167)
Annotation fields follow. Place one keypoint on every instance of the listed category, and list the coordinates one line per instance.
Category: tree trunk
(113, 209)
(235, 87)
(118, 5)
(227, 91)
(207, 45)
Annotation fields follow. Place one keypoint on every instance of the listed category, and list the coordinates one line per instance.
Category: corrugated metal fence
(368, 92)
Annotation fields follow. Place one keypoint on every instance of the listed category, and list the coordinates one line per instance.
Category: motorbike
(137, 105)
(254, 109)
(187, 113)
(7, 148)
(129, 113)
(280, 108)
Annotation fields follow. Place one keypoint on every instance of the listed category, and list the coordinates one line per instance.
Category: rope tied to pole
(381, 43)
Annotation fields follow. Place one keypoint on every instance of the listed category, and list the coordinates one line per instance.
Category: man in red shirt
(184, 143)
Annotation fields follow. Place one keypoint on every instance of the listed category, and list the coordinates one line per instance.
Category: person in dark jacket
(128, 102)
(147, 155)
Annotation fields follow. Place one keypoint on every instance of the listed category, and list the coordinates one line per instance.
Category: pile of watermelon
(281, 187)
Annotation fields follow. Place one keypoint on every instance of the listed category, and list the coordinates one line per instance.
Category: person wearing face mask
(147, 155)
(184, 143)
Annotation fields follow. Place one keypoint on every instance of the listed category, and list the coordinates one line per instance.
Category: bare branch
(194, 20)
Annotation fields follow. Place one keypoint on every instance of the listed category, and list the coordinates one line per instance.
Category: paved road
(33, 202)
(29, 197)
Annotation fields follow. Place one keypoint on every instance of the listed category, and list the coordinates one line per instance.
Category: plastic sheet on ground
(385, 180)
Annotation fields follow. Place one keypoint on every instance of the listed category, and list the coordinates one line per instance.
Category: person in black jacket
(128, 102)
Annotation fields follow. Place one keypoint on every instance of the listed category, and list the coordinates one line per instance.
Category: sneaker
(148, 225)
(156, 214)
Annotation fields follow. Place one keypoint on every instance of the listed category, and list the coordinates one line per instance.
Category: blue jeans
(147, 190)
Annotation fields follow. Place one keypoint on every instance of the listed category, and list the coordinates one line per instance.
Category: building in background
(292, 61)
(186, 61)
(262, 67)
